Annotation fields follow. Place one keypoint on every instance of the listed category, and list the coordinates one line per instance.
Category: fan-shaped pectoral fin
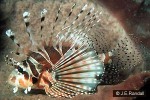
(47, 91)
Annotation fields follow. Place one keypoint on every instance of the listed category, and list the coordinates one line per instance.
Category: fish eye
(19, 69)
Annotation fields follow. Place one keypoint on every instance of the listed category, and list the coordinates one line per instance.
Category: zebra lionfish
(62, 61)
(61, 54)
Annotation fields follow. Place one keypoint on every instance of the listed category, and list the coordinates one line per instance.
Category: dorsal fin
(11, 35)
(70, 13)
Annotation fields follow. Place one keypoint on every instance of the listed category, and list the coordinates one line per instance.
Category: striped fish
(63, 63)
(67, 49)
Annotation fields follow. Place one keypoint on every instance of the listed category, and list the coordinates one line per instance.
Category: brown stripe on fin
(44, 64)
(53, 54)
(44, 53)
(26, 75)
(33, 68)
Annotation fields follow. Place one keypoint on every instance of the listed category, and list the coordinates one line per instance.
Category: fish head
(20, 77)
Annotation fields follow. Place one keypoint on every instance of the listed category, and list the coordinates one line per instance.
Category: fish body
(64, 64)
(68, 53)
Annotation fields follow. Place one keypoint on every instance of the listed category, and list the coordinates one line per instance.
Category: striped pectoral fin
(70, 89)
(48, 82)
(60, 90)
(79, 73)
(54, 91)
(82, 81)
